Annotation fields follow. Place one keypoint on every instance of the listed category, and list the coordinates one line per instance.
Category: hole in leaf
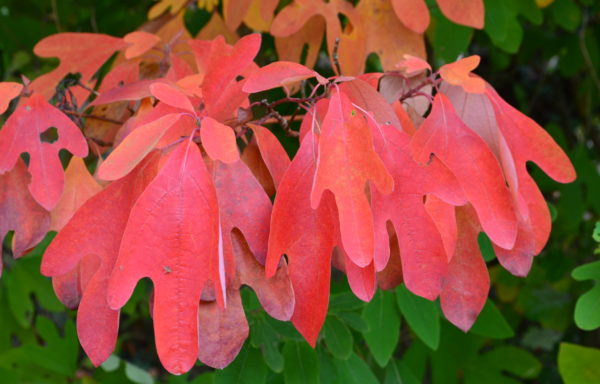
(50, 135)
(239, 78)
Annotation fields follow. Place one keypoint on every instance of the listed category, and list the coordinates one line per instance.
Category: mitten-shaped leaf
(346, 161)
(472, 162)
(424, 261)
(307, 236)
(84, 252)
(173, 237)
(22, 133)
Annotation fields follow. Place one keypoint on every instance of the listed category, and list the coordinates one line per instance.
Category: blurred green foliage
(540, 329)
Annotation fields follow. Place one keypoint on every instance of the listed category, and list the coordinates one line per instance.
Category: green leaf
(421, 315)
(355, 371)
(491, 323)
(248, 367)
(587, 308)
(486, 247)
(541, 338)
(578, 365)
(384, 326)
(354, 321)
(338, 338)
(344, 302)
(399, 373)
(567, 14)
(263, 336)
(301, 363)
(449, 40)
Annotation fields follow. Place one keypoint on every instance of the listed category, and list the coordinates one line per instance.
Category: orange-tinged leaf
(412, 64)
(279, 74)
(22, 133)
(290, 47)
(472, 162)
(19, 211)
(260, 14)
(8, 91)
(465, 12)
(386, 35)
(86, 248)
(307, 236)
(292, 18)
(78, 53)
(218, 140)
(174, 6)
(173, 237)
(467, 283)
(346, 161)
(135, 147)
(234, 12)
(80, 185)
(139, 43)
(459, 73)
(414, 14)
(216, 27)
(172, 96)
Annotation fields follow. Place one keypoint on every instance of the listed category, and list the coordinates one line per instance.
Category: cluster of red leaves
(377, 189)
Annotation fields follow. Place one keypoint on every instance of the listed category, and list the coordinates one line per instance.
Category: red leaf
(444, 217)
(86, 248)
(134, 148)
(346, 161)
(21, 133)
(467, 284)
(78, 53)
(412, 64)
(413, 13)
(19, 212)
(361, 280)
(424, 261)
(8, 91)
(172, 237)
(474, 165)
(275, 294)
(221, 331)
(139, 42)
(307, 236)
(465, 12)
(515, 140)
(279, 74)
(172, 96)
(274, 156)
(223, 65)
(218, 140)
